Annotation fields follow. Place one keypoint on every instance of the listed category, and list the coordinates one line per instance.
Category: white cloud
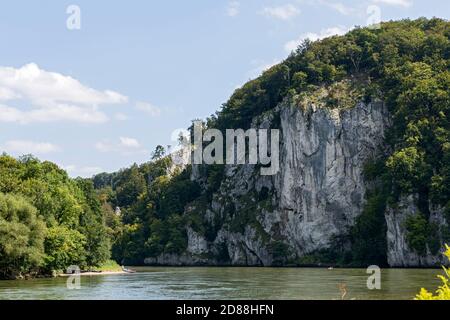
(129, 142)
(52, 114)
(50, 97)
(7, 94)
(83, 171)
(148, 108)
(233, 8)
(325, 33)
(22, 147)
(125, 146)
(338, 6)
(402, 3)
(285, 12)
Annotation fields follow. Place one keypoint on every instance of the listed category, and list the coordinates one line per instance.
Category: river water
(228, 283)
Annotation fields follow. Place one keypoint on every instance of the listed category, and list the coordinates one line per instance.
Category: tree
(299, 80)
(159, 153)
(64, 247)
(22, 235)
(97, 243)
(130, 248)
(129, 186)
(92, 226)
(406, 167)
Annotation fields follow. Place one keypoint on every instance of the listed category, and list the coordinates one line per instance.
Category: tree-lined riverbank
(48, 221)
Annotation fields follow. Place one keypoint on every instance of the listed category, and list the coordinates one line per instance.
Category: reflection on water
(228, 283)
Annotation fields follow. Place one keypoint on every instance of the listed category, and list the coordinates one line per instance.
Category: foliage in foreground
(443, 293)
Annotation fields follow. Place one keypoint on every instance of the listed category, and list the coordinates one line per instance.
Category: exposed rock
(398, 252)
(315, 197)
(196, 243)
(320, 187)
(184, 259)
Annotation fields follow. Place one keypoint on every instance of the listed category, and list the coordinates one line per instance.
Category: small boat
(128, 270)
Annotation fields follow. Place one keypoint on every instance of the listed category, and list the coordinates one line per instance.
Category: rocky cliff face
(398, 252)
(321, 188)
(315, 197)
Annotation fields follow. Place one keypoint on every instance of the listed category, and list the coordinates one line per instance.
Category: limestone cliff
(312, 201)
(398, 252)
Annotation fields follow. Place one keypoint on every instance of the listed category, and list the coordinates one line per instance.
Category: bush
(420, 234)
(443, 292)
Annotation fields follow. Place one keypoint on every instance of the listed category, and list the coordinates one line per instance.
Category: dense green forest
(152, 198)
(55, 221)
(48, 221)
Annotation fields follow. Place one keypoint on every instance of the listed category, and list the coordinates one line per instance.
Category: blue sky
(101, 97)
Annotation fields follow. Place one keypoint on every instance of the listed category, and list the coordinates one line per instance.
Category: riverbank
(109, 267)
(92, 273)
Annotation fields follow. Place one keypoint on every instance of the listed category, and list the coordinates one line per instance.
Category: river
(228, 283)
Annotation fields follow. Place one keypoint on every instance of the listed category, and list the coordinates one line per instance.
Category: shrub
(443, 292)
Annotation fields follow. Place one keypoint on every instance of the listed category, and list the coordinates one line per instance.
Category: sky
(95, 86)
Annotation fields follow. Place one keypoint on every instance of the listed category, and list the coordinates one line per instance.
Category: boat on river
(128, 270)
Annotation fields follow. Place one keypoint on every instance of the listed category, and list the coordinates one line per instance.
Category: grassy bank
(108, 266)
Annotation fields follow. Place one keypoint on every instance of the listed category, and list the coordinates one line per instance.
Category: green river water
(228, 283)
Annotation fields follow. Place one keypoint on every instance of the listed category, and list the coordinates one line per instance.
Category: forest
(48, 221)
